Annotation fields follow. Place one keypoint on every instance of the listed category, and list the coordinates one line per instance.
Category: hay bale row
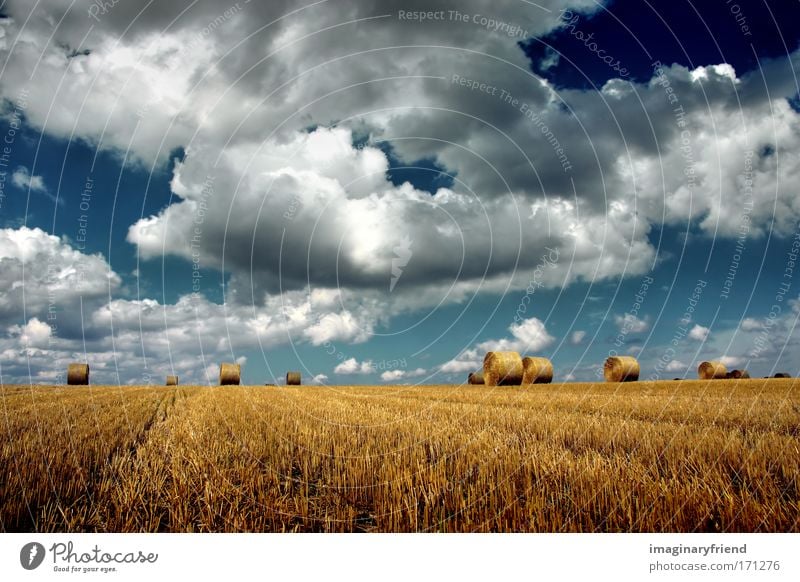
(499, 369)
(621, 369)
(536, 370)
(711, 370)
(78, 374)
(502, 369)
(230, 374)
(511, 369)
(476, 378)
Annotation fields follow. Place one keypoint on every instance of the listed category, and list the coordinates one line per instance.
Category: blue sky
(321, 193)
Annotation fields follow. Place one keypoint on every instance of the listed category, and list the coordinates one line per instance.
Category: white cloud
(527, 337)
(321, 214)
(699, 333)
(466, 362)
(22, 178)
(65, 294)
(341, 326)
(35, 333)
(577, 337)
(732, 361)
(353, 366)
(751, 324)
(630, 323)
(395, 375)
(392, 375)
(319, 379)
(676, 366)
(40, 273)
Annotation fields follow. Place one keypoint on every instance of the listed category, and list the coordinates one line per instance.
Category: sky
(381, 192)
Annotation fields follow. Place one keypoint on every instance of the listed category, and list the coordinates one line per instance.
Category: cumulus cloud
(750, 324)
(66, 296)
(676, 366)
(467, 361)
(35, 333)
(527, 336)
(286, 166)
(396, 375)
(732, 361)
(353, 366)
(41, 274)
(699, 333)
(577, 337)
(630, 323)
(338, 326)
(22, 178)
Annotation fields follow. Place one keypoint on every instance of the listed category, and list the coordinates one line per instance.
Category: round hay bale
(230, 374)
(172, 380)
(738, 374)
(78, 374)
(711, 370)
(475, 377)
(293, 378)
(782, 375)
(536, 370)
(621, 369)
(502, 369)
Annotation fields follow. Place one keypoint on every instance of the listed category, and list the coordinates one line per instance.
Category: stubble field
(684, 456)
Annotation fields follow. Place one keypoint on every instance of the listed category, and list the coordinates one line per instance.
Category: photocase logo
(402, 254)
(31, 555)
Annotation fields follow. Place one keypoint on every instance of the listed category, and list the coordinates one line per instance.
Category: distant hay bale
(475, 377)
(782, 375)
(536, 370)
(172, 380)
(502, 369)
(230, 374)
(711, 370)
(78, 374)
(293, 378)
(621, 369)
(738, 374)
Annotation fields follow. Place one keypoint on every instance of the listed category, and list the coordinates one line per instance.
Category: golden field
(719, 455)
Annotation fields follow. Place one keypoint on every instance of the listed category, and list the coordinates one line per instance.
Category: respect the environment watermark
(523, 107)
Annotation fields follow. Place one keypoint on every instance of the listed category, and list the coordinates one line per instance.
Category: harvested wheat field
(721, 455)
